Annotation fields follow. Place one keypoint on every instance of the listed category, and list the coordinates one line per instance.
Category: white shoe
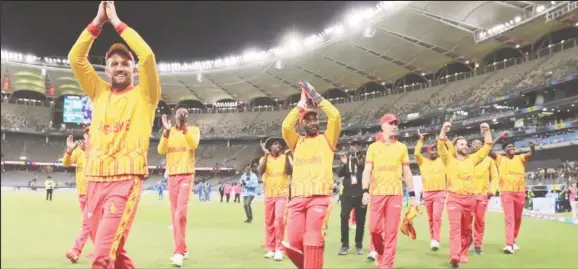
(372, 255)
(278, 255)
(269, 254)
(352, 227)
(185, 255)
(177, 260)
(434, 245)
(515, 247)
(509, 249)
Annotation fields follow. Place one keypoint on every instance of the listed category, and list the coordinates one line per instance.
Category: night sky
(176, 31)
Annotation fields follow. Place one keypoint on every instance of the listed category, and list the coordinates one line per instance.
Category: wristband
(365, 190)
(412, 194)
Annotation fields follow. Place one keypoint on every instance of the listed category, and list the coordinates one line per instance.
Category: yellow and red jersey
(433, 172)
(312, 155)
(179, 147)
(122, 120)
(512, 172)
(78, 157)
(275, 178)
(461, 173)
(486, 177)
(387, 167)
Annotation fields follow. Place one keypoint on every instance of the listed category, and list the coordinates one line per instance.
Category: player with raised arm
(485, 186)
(460, 170)
(120, 131)
(433, 175)
(312, 180)
(512, 187)
(275, 168)
(179, 143)
(386, 169)
(75, 154)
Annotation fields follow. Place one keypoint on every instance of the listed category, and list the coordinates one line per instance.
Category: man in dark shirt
(351, 169)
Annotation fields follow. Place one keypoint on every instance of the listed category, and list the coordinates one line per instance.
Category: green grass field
(36, 234)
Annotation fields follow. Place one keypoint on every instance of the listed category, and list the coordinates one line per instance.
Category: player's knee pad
(314, 239)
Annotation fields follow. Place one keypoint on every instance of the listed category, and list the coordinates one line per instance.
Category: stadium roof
(419, 37)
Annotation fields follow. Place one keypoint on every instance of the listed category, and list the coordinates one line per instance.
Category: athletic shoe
(72, 256)
(269, 254)
(177, 260)
(509, 249)
(372, 255)
(515, 247)
(478, 251)
(278, 255)
(434, 245)
(343, 251)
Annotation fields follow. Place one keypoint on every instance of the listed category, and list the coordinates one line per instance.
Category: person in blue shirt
(200, 188)
(250, 183)
(160, 189)
(207, 192)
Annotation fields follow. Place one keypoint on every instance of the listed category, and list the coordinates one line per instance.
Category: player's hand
(265, 151)
(420, 135)
(310, 91)
(101, 17)
(70, 144)
(166, 122)
(447, 126)
(343, 159)
(484, 127)
(111, 13)
(365, 198)
(182, 117)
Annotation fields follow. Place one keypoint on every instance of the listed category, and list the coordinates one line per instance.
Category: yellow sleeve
(333, 122)
(481, 154)
(404, 155)
(444, 152)
(71, 158)
(83, 71)
(192, 136)
(370, 155)
(288, 130)
(417, 152)
(147, 66)
(494, 177)
(163, 146)
(451, 148)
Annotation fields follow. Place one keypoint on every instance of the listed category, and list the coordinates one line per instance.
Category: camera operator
(351, 170)
(250, 184)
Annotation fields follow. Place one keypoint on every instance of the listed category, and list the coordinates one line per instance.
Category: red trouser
(434, 204)
(84, 233)
(352, 217)
(513, 204)
(385, 213)
(306, 223)
(480, 219)
(111, 209)
(274, 222)
(460, 213)
(180, 187)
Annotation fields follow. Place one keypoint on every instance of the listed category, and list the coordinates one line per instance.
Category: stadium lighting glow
(360, 18)
(540, 10)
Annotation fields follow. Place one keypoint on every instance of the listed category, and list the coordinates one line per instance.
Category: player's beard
(121, 85)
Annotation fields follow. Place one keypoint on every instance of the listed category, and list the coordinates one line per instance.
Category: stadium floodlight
(527, 16)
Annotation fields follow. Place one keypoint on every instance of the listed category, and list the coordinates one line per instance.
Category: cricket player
(275, 170)
(485, 186)
(179, 143)
(386, 165)
(120, 132)
(512, 186)
(312, 179)
(75, 154)
(461, 201)
(433, 175)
